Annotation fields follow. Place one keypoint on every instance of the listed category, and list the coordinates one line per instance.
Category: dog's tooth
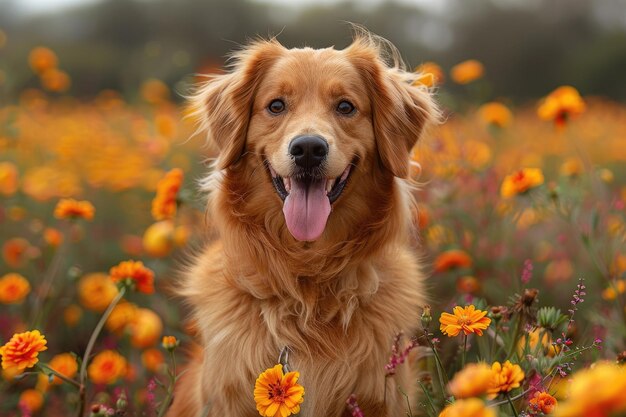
(329, 185)
(287, 183)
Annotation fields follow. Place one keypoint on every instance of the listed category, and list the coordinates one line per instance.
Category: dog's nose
(308, 151)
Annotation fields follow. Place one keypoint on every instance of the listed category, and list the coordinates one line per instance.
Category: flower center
(276, 392)
(464, 320)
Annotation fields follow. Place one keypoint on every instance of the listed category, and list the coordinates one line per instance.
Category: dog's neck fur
(320, 284)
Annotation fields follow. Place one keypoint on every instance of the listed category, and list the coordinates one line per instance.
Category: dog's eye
(276, 106)
(346, 108)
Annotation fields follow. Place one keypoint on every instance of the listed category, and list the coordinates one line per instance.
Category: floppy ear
(223, 103)
(400, 110)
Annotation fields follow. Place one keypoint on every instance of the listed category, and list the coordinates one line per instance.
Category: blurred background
(528, 47)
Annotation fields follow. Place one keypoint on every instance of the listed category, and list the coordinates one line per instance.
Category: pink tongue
(306, 209)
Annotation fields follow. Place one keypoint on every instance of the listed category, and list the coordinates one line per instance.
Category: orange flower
(506, 377)
(430, 74)
(152, 359)
(277, 394)
(521, 181)
(31, 399)
(542, 402)
(450, 259)
(122, 315)
(72, 209)
(134, 274)
(467, 71)
(472, 381)
(22, 350)
(52, 237)
(107, 367)
(64, 364)
(466, 319)
(42, 59)
(164, 203)
(72, 315)
(561, 105)
(13, 288)
(55, 80)
(572, 167)
(154, 91)
(596, 392)
(96, 291)
(495, 114)
(471, 407)
(611, 293)
(8, 178)
(14, 251)
(145, 328)
(467, 285)
(169, 342)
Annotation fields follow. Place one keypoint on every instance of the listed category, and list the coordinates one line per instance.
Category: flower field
(521, 222)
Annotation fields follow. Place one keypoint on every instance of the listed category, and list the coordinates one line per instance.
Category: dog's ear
(400, 109)
(223, 104)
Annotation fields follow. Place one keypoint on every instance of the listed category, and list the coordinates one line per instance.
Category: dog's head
(312, 124)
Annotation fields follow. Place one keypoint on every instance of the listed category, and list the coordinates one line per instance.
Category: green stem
(494, 343)
(464, 351)
(429, 398)
(170, 390)
(440, 369)
(90, 345)
(508, 397)
(518, 328)
(61, 376)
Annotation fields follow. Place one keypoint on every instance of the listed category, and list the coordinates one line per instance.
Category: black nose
(308, 151)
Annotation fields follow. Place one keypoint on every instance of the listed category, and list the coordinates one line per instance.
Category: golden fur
(336, 302)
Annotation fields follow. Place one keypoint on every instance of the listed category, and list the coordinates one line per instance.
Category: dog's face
(316, 121)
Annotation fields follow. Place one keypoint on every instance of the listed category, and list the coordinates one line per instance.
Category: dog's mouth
(307, 200)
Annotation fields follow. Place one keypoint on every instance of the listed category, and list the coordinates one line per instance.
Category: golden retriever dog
(312, 212)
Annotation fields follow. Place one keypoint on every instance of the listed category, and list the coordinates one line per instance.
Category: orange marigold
(64, 364)
(542, 402)
(466, 319)
(96, 291)
(15, 251)
(152, 359)
(42, 59)
(430, 74)
(521, 181)
(495, 114)
(31, 399)
(68, 208)
(560, 105)
(472, 381)
(8, 178)
(135, 274)
(454, 258)
(145, 328)
(22, 350)
(13, 288)
(107, 367)
(164, 203)
(506, 377)
(277, 394)
(169, 342)
(467, 71)
(471, 407)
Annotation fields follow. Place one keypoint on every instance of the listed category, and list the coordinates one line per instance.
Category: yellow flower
(145, 328)
(495, 114)
(596, 392)
(96, 291)
(31, 399)
(430, 74)
(136, 274)
(454, 258)
(466, 319)
(121, 316)
(42, 59)
(542, 402)
(22, 350)
(572, 167)
(467, 71)
(521, 181)
(64, 364)
(472, 407)
(8, 178)
(107, 367)
(13, 288)
(152, 359)
(277, 394)
(472, 381)
(560, 105)
(158, 239)
(533, 340)
(68, 208)
(164, 203)
(506, 377)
